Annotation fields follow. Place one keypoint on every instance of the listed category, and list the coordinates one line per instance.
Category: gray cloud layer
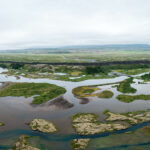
(36, 23)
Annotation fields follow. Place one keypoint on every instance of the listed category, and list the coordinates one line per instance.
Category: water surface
(16, 112)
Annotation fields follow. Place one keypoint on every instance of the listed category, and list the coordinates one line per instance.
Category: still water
(16, 112)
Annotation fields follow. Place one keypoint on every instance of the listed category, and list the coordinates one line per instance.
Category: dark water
(16, 112)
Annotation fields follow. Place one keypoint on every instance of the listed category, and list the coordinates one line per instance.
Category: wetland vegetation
(84, 123)
(106, 94)
(44, 91)
(132, 140)
(85, 91)
(23, 144)
(91, 91)
(146, 77)
(131, 98)
(125, 86)
(42, 126)
(88, 124)
(79, 144)
(73, 73)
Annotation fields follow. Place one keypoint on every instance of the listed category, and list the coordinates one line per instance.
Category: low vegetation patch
(42, 126)
(44, 91)
(133, 71)
(146, 76)
(84, 117)
(84, 91)
(88, 91)
(131, 98)
(131, 117)
(64, 72)
(125, 86)
(105, 94)
(79, 144)
(23, 144)
(87, 124)
(76, 73)
(96, 70)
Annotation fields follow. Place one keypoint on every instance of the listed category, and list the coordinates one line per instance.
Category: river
(16, 112)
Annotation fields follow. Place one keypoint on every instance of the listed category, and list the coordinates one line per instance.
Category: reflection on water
(58, 103)
(84, 100)
(15, 112)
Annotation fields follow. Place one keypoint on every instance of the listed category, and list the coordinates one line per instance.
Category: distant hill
(68, 49)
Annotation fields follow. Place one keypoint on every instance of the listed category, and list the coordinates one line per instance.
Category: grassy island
(105, 94)
(84, 91)
(131, 98)
(87, 124)
(79, 144)
(22, 144)
(88, 91)
(131, 117)
(42, 126)
(125, 86)
(44, 91)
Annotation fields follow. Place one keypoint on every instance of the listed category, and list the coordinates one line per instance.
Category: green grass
(106, 94)
(125, 86)
(88, 91)
(133, 71)
(84, 91)
(44, 91)
(131, 98)
(146, 77)
(78, 56)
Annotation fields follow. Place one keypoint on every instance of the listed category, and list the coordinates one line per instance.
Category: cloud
(33, 23)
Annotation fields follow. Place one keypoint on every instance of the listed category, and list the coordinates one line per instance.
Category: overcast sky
(44, 23)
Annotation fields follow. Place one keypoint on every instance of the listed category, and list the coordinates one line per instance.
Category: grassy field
(44, 91)
(94, 56)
